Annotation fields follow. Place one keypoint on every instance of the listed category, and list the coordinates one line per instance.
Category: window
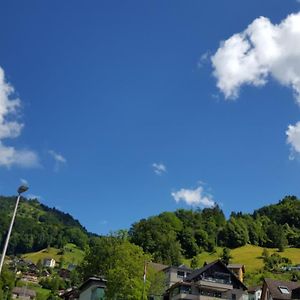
(233, 296)
(284, 290)
(180, 274)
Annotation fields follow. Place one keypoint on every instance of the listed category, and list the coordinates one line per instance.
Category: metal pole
(9, 233)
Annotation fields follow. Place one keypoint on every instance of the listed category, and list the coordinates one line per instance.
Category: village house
(238, 270)
(254, 293)
(49, 262)
(93, 288)
(213, 280)
(176, 274)
(280, 290)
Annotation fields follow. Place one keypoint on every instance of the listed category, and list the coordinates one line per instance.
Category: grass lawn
(249, 256)
(72, 255)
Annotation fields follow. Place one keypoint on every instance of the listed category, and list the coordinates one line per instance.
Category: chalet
(49, 262)
(238, 270)
(213, 280)
(280, 290)
(23, 293)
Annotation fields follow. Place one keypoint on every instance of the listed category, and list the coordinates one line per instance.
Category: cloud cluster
(194, 197)
(159, 168)
(11, 128)
(262, 50)
(293, 139)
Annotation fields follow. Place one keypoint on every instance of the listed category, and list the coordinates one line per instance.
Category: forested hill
(186, 233)
(169, 236)
(37, 226)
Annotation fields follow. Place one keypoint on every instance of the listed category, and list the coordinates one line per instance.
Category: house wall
(172, 276)
(92, 293)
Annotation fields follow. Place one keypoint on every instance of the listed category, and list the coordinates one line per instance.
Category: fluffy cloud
(262, 50)
(10, 128)
(293, 139)
(159, 169)
(194, 197)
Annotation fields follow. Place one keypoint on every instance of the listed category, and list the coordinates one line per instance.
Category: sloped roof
(101, 282)
(274, 285)
(200, 271)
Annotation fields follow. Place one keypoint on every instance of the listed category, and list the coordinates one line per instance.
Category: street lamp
(21, 190)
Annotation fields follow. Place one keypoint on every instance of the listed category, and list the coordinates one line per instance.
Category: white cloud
(59, 159)
(194, 197)
(262, 50)
(24, 181)
(293, 139)
(10, 128)
(159, 168)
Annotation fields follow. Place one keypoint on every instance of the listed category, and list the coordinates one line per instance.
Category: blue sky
(124, 109)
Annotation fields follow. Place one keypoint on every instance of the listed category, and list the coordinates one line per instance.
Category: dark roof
(198, 272)
(274, 285)
(253, 289)
(236, 266)
(24, 291)
(101, 282)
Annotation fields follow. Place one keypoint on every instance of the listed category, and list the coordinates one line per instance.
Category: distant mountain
(38, 226)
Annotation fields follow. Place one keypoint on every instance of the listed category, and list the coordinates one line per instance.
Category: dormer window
(284, 290)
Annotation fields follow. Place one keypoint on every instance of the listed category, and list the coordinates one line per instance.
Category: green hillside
(248, 255)
(38, 226)
(70, 255)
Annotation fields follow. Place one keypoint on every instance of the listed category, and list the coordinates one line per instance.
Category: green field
(70, 255)
(248, 255)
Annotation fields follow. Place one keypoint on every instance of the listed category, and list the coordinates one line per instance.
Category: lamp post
(21, 190)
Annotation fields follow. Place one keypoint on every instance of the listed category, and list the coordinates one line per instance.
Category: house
(238, 270)
(213, 280)
(49, 262)
(23, 293)
(279, 289)
(92, 289)
(176, 274)
(254, 292)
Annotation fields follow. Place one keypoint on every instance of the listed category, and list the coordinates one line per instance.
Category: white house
(49, 262)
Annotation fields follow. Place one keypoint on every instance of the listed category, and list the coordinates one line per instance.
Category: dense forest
(168, 237)
(38, 226)
(186, 233)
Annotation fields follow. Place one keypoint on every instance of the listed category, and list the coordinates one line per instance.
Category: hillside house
(238, 270)
(49, 262)
(212, 281)
(280, 290)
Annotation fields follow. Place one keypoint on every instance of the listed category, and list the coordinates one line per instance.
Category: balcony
(215, 284)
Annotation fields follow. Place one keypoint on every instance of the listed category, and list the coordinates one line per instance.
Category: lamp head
(22, 189)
